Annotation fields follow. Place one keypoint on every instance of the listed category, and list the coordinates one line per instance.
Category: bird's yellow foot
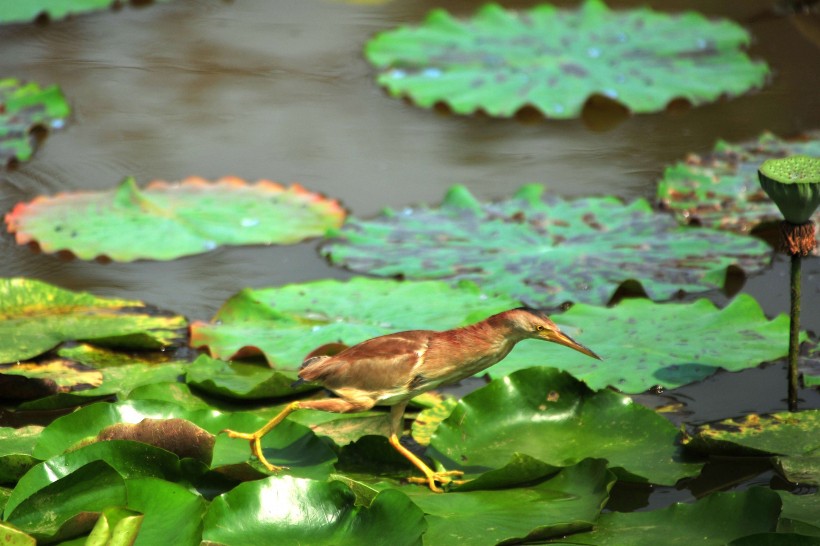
(255, 440)
(444, 478)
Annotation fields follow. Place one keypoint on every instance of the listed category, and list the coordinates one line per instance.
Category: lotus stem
(794, 330)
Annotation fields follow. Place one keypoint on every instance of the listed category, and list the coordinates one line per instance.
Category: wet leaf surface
(290, 510)
(721, 189)
(554, 60)
(545, 250)
(548, 415)
(288, 322)
(165, 220)
(36, 316)
(240, 380)
(644, 344)
(715, 520)
(25, 107)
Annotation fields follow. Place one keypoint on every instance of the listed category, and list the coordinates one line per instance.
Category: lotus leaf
(15, 537)
(36, 316)
(714, 520)
(173, 514)
(240, 380)
(165, 221)
(22, 11)
(288, 322)
(568, 502)
(176, 393)
(16, 446)
(545, 250)
(116, 527)
(554, 60)
(286, 510)
(549, 415)
(721, 189)
(670, 344)
(801, 513)
(24, 107)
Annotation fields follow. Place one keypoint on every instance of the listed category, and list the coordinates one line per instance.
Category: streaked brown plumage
(390, 370)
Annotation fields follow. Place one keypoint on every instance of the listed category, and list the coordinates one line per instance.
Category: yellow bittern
(390, 370)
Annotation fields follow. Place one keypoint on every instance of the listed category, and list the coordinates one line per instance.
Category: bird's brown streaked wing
(381, 363)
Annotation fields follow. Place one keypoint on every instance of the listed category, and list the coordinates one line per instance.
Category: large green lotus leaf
(721, 189)
(714, 520)
(240, 380)
(644, 344)
(288, 322)
(105, 357)
(173, 514)
(15, 537)
(129, 459)
(22, 11)
(551, 416)
(165, 221)
(36, 316)
(545, 250)
(554, 60)
(178, 394)
(67, 507)
(286, 510)
(16, 447)
(116, 527)
(801, 514)
(568, 502)
(24, 107)
(289, 444)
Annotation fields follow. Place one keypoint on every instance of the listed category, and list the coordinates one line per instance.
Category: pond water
(280, 90)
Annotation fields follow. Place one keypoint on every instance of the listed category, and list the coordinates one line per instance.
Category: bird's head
(533, 324)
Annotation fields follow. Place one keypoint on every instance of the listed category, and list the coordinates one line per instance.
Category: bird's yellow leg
(255, 438)
(430, 475)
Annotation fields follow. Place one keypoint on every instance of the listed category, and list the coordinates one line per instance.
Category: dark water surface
(280, 90)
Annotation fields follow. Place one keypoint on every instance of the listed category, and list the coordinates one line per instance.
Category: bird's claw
(256, 447)
(445, 478)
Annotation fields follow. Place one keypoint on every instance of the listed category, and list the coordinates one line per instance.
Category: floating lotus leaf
(545, 250)
(669, 344)
(793, 183)
(721, 189)
(16, 447)
(801, 513)
(549, 415)
(285, 510)
(554, 60)
(713, 521)
(36, 316)
(116, 526)
(240, 380)
(568, 502)
(288, 322)
(794, 437)
(165, 221)
(24, 107)
(23, 11)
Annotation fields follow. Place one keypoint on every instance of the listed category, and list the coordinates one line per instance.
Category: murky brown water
(280, 90)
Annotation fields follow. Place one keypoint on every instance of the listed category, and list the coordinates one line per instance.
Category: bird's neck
(479, 346)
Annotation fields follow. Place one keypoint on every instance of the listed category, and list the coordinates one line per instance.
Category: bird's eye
(539, 328)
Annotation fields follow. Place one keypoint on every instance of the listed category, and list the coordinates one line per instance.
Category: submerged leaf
(36, 316)
(165, 221)
(288, 322)
(545, 250)
(555, 60)
(549, 415)
(23, 11)
(721, 189)
(24, 107)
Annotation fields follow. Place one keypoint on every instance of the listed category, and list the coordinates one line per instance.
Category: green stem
(794, 331)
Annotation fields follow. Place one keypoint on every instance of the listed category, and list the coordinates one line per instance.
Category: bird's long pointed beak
(557, 336)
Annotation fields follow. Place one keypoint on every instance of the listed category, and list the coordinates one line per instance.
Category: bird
(390, 370)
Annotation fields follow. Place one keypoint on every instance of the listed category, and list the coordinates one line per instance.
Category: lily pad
(16, 447)
(794, 437)
(36, 316)
(554, 59)
(715, 520)
(645, 344)
(23, 108)
(286, 323)
(240, 380)
(568, 502)
(549, 415)
(287, 510)
(721, 189)
(23, 11)
(165, 221)
(545, 250)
